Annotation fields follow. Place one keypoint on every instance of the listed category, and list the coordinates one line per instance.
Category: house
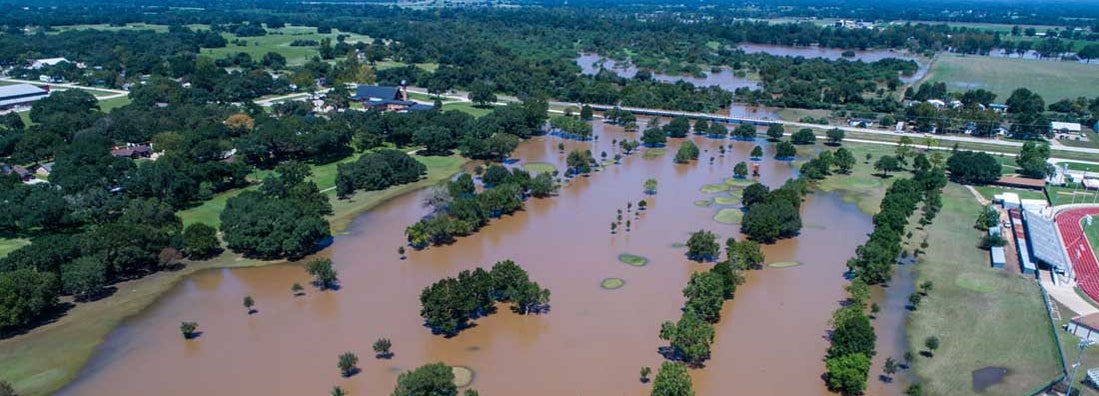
(44, 169)
(1065, 127)
(1086, 327)
(23, 173)
(860, 122)
(956, 104)
(1000, 131)
(40, 63)
(999, 108)
(937, 103)
(21, 95)
(132, 151)
(382, 98)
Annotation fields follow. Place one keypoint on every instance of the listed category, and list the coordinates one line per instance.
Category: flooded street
(592, 342)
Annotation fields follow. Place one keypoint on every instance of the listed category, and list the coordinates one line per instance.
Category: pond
(592, 341)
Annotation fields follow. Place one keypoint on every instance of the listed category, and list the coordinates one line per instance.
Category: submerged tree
(381, 348)
(249, 302)
(673, 380)
(188, 329)
(324, 276)
(347, 364)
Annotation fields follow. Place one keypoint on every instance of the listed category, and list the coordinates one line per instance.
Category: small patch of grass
(702, 203)
(654, 153)
(633, 259)
(469, 108)
(539, 167)
(612, 283)
(738, 182)
(463, 376)
(729, 216)
(714, 188)
(976, 282)
(784, 264)
(10, 245)
(726, 200)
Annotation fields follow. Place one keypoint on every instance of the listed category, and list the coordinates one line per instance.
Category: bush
(200, 241)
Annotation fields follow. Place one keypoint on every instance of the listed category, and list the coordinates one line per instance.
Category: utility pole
(1083, 345)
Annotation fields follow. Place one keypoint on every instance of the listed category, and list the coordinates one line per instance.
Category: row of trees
(449, 304)
(690, 337)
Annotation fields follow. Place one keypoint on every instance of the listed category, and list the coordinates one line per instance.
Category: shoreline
(42, 365)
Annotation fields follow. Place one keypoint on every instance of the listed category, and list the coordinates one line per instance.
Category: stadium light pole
(1083, 345)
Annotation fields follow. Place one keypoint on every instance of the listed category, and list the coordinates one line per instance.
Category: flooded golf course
(592, 341)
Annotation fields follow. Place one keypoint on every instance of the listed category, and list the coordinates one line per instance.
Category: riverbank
(983, 317)
(49, 356)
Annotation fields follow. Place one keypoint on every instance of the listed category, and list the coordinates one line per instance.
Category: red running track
(1079, 250)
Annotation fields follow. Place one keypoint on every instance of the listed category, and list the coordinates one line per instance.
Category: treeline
(459, 210)
(449, 304)
(689, 338)
(852, 337)
(822, 83)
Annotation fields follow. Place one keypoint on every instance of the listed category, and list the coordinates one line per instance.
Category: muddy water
(592, 63)
(592, 342)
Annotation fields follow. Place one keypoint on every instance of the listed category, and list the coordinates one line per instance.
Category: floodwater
(771, 339)
(590, 64)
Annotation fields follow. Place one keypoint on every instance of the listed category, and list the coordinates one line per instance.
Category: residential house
(132, 151)
(374, 97)
(937, 103)
(44, 169)
(23, 173)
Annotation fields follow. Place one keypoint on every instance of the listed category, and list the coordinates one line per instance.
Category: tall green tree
(672, 380)
(436, 379)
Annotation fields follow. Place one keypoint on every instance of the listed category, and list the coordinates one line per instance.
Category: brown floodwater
(771, 338)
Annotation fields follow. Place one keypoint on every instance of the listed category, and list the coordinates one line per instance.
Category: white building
(1065, 127)
(40, 63)
(1008, 199)
(16, 95)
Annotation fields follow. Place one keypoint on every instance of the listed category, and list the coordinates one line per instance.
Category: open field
(1053, 80)
(989, 191)
(7, 245)
(468, 108)
(278, 41)
(984, 317)
(49, 356)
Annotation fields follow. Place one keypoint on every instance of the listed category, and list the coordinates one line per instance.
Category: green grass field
(1092, 232)
(1053, 80)
(989, 191)
(1078, 166)
(278, 41)
(983, 316)
(468, 108)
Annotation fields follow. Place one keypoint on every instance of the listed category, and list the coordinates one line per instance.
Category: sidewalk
(1065, 295)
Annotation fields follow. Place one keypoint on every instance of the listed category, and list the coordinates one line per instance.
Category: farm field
(1053, 80)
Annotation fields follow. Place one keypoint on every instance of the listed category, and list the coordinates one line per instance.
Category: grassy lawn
(278, 41)
(388, 64)
(49, 356)
(468, 108)
(1053, 80)
(862, 187)
(989, 191)
(1065, 195)
(1092, 232)
(1077, 166)
(7, 245)
(983, 316)
(1008, 151)
(111, 104)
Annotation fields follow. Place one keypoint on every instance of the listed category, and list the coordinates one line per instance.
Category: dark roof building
(133, 151)
(374, 97)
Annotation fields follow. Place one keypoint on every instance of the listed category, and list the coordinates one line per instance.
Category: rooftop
(20, 90)
(1090, 321)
